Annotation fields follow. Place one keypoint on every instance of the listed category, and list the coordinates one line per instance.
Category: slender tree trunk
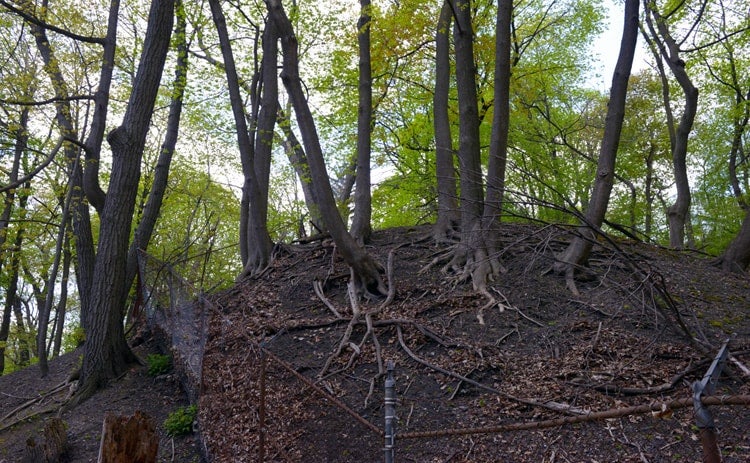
(9, 196)
(81, 217)
(448, 215)
(24, 354)
(472, 190)
(93, 145)
(106, 352)
(298, 160)
(366, 275)
(4, 332)
(677, 213)
(260, 243)
(145, 229)
(63, 303)
(11, 302)
(49, 300)
(252, 224)
(577, 253)
(500, 122)
(362, 221)
(648, 190)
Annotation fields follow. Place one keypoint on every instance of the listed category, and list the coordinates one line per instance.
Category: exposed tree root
(357, 314)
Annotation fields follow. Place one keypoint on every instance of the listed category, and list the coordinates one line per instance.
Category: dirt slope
(546, 355)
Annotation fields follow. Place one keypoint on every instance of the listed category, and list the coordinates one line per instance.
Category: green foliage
(158, 364)
(180, 421)
(73, 337)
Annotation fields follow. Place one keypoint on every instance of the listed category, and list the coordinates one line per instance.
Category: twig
(537, 323)
(31, 402)
(745, 371)
(505, 336)
(595, 342)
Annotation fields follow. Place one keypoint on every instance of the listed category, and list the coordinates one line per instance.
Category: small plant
(180, 421)
(158, 364)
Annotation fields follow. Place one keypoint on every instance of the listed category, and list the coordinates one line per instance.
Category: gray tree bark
(448, 215)
(362, 222)
(577, 253)
(106, 352)
(365, 270)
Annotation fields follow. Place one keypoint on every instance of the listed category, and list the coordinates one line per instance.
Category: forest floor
(646, 325)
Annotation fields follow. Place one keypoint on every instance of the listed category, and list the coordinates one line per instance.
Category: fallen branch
(31, 402)
(590, 416)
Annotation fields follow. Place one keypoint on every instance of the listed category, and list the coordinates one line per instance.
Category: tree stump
(128, 439)
(55, 443)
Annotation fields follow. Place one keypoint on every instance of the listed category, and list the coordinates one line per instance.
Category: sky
(607, 47)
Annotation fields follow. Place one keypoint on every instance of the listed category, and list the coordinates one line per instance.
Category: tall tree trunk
(49, 300)
(577, 253)
(81, 217)
(669, 50)
(362, 221)
(106, 353)
(264, 134)
(145, 228)
(500, 122)
(448, 215)
(253, 228)
(298, 160)
(24, 354)
(736, 257)
(9, 199)
(470, 165)
(366, 274)
(12, 301)
(63, 302)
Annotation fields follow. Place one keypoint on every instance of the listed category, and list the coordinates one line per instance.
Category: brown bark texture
(128, 439)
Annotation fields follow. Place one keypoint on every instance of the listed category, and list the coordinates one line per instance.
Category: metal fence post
(390, 414)
(703, 418)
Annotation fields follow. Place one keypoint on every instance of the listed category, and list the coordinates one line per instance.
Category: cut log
(55, 443)
(128, 439)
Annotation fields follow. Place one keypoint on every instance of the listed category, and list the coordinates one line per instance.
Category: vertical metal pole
(703, 418)
(706, 427)
(390, 413)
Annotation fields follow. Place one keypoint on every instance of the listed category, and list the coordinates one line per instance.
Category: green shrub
(158, 364)
(180, 421)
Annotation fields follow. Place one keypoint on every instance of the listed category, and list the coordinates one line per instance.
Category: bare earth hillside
(288, 376)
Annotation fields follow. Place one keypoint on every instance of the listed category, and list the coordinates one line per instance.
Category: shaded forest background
(221, 129)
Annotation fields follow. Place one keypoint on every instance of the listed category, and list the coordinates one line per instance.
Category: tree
(362, 222)
(447, 206)
(255, 243)
(106, 352)
(669, 52)
(150, 212)
(577, 253)
(724, 60)
(366, 276)
(472, 253)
